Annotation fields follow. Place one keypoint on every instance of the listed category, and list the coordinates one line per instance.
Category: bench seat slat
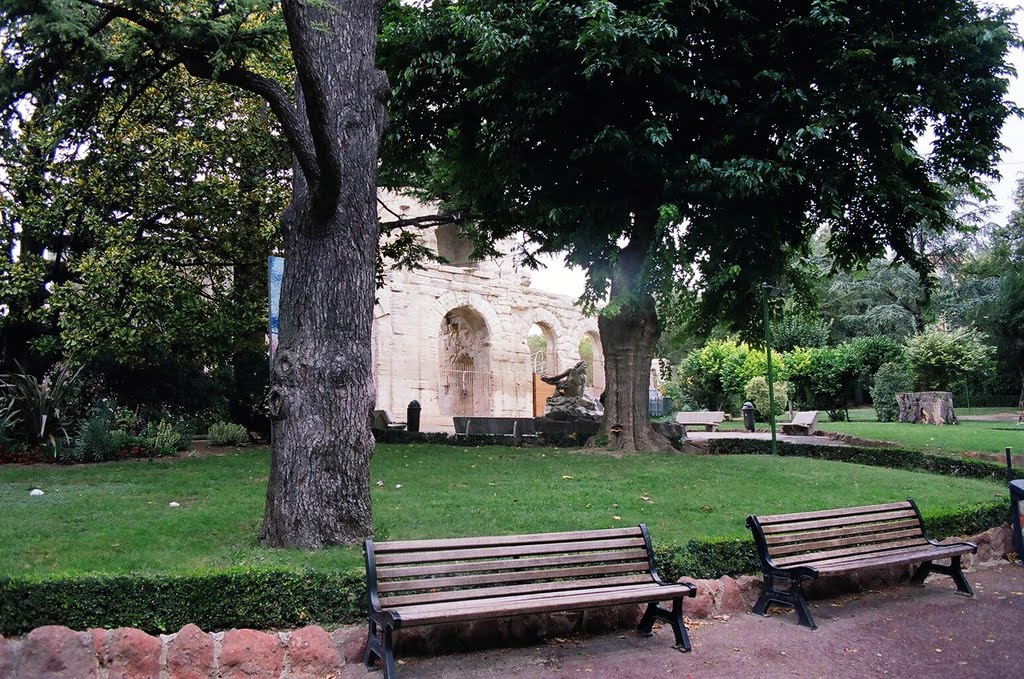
(387, 572)
(818, 545)
(567, 600)
(828, 533)
(895, 558)
(838, 521)
(502, 540)
(532, 589)
(830, 513)
(409, 558)
(512, 576)
(828, 555)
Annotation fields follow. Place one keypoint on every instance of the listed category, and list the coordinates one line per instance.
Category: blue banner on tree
(276, 265)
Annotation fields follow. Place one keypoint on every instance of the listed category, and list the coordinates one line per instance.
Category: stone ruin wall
(454, 336)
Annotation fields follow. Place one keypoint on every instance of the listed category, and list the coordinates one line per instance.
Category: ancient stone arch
(553, 332)
(464, 363)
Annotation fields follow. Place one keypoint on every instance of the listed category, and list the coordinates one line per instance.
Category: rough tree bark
(926, 407)
(628, 339)
(322, 384)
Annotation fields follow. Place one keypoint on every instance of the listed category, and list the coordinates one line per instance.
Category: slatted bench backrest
(812, 538)
(411, 572)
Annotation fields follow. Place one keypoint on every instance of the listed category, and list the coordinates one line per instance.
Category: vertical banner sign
(276, 265)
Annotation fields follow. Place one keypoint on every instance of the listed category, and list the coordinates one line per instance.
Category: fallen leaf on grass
(566, 477)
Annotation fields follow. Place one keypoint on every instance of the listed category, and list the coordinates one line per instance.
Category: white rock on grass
(35, 492)
(173, 504)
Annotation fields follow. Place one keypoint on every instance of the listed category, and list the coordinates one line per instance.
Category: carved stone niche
(926, 407)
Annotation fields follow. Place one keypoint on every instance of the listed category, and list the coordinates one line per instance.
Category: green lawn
(985, 437)
(115, 518)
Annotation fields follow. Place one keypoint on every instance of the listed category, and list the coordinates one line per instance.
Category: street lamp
(770, 290)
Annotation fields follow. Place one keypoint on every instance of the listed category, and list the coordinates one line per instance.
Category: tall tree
(662, 144)
(322, 386)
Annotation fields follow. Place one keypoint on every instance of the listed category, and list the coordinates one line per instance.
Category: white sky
(561, 280)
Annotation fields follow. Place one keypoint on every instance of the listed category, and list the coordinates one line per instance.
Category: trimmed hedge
(268, 599)
(260, 599)
(476, 440)
(893, 458)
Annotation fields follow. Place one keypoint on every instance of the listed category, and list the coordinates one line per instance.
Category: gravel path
(899, 632)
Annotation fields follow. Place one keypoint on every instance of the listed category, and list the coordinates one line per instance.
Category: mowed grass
(968, 436)
(115, 518)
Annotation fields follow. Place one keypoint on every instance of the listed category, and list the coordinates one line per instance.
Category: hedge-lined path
(899, 632)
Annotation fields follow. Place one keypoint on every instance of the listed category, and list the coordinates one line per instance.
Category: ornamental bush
(228, 434)
(891, 379)
(941, 358)
(757, 391)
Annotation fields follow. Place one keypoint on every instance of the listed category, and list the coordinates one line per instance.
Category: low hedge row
(260, 599)
(893, 458)
(476, 440)
(268, 599)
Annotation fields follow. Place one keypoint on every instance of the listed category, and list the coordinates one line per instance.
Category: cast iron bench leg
(791, 597)
(953, 570)
(673, 618)
(380, 647)
(921, 574)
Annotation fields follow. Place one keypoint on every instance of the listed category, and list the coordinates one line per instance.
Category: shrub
(941, 358)
(891, 379)
(43, 407)
(826, 380)
(166, 439)
(757, 391)
(94, 441)
(228, 434)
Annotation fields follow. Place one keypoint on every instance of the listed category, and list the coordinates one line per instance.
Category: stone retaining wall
(126, 653)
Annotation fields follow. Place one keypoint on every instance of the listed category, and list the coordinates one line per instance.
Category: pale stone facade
(454, 337)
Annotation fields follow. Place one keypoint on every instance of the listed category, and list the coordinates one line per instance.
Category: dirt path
(899, 632)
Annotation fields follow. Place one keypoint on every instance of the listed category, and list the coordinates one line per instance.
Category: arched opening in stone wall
(464, 362)
(590, 351)
(451, 245)
(543, 352)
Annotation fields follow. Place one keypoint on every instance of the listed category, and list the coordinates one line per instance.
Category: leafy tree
(67, 57)
(146, 246)
(825, 379)
(890, 379)
(757, 392)
(664, 145)
(942, 358)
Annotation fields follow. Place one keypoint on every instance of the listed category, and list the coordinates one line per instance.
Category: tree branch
(424, 222)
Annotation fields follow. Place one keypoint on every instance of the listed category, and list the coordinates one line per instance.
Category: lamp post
(766, 289)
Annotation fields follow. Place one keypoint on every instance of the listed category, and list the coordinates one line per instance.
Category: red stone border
(128, 653)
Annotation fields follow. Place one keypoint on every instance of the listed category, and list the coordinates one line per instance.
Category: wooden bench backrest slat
(814, 557)
(828, 533)
(453, 568)
(818, 545)
(512, 576)
(512, 551)
(838, 521)
(502, 540)
(871, 557)
(831, 513)
(528, 591)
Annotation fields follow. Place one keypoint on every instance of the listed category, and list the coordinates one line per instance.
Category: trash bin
(412, 416)
(748, 416)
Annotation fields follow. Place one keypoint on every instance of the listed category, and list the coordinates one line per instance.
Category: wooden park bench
(804, 422)
(495, 426)
(425, 582)
(708, 420)
(794, 548)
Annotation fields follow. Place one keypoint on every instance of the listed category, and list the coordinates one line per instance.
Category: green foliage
(94, 441)
(891, 379)
(796, 330)
(757, 391)
(701, 377)
(236, 598)
(941, 358)
(825, 381)
(640, 124)
(228, 434)
(167, 439)
(44, 407)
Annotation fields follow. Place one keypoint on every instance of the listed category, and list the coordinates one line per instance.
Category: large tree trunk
(322, 383)
(628, 339)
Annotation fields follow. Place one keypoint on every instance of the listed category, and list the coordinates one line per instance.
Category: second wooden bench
(424, 582)
(794, 548)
